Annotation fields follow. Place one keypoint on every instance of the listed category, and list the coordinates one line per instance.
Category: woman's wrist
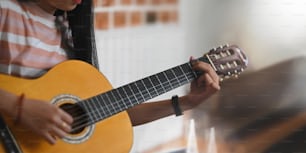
(8, 102)
(176, 105)
(19, 105)
(185, 103)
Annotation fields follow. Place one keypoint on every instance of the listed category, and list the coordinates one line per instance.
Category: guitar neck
(117, 100)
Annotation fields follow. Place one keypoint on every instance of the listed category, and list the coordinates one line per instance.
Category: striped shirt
(29, 40)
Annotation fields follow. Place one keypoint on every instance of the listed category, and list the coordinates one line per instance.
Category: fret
(118, 98)
(134, 91)
(104, 107)
(89, 108)
(157, 84)
(150, 86)
(104, 101)
(92, 115)
(175, 76)
(167, 79)
(172, 78)
(143, 87)
(133, 94)
(182, 70)
(183, 78)
(187, 68)
(100, 107)
(163, 81)
(137, 90)
(130, 94)
(94, 111)
(110, 102)
(95, 108)
(125, 94)
(117, 101)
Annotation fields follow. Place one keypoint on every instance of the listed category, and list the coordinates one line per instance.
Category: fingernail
(193, 61)
(191, 58)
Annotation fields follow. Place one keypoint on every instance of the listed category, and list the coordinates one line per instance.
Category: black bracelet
(176, 105)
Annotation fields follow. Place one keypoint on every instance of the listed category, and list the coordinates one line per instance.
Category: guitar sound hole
(80, 118)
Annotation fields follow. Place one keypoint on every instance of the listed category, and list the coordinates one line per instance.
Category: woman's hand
(203, 87)
(45, 119)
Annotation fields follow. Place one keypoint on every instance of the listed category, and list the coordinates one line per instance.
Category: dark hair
(81, 24)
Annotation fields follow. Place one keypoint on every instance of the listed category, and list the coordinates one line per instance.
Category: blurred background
(262, 111)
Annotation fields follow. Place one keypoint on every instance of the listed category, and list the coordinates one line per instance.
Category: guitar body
(78, 80)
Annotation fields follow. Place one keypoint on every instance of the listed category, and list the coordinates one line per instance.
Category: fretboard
(117, 100)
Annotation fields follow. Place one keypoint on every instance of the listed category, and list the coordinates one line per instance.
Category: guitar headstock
(228, 60)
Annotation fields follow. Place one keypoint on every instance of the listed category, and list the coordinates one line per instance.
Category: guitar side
(80, 80)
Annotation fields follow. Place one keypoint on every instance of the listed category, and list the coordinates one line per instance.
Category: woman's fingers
(205, 68)
(207, 81)
(59, 126)
(53, 133)
(50, 138)
(66, 117)
(211, 83)
(59, 131)
(66, 121)
(209, 76)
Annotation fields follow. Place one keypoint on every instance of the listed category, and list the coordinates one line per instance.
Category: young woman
(34, 37)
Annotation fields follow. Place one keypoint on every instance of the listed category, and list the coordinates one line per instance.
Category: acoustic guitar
(101, 124)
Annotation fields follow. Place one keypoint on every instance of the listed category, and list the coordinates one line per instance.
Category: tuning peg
(241, 70)
(235, 63)
(213, 49)
(228, 65)
(222, 67)
(220, 47)
(228, 52)
(221, 79)
(226, 45)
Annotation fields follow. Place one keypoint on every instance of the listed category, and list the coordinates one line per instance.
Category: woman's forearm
(152, 111)
(7, 103)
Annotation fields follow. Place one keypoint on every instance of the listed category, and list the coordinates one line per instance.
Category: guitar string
(80, 119)
(84, 117)
(144, 86)
(96, 110)
(150, 83)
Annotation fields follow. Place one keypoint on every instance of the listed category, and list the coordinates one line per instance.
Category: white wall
(268, 31)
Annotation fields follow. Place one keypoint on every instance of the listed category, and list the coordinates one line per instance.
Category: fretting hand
(203, 87)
